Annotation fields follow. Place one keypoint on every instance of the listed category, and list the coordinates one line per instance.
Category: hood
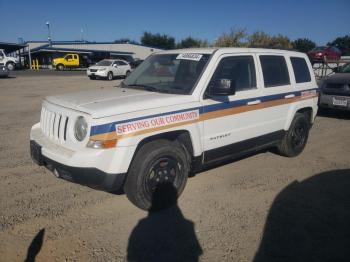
(57, 60)
(338, 78)
(114, 101)
(97, 67)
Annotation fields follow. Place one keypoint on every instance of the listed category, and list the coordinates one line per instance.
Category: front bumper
(101, 74)
(327, 101)
(91, 177)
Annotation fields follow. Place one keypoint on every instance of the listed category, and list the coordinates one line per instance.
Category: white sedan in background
(108, 69)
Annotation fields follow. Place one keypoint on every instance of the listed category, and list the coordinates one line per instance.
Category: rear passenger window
(301, 70)
(239, 69)
(275, 70)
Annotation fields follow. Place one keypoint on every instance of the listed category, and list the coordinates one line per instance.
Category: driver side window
(239, 69)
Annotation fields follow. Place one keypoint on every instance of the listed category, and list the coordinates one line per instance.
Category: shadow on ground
(164, 235)
(332, 113)
(309, 221)
(35, 246)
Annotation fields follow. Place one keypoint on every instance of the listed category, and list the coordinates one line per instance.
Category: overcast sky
(321, 21)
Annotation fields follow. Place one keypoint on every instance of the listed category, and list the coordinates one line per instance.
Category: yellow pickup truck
(68, 61)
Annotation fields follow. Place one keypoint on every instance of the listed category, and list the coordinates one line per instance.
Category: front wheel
(110, 76)
(60, 67)
(156, 166)
(127, 74)
(295, 139)
(10, 66)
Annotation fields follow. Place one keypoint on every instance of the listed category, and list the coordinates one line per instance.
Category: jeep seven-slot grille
(54, 125)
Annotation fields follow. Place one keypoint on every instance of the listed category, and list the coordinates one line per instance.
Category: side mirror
(115, 65)
(222, 87)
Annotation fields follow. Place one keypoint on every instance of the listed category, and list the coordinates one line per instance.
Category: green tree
(234, 38)
(343, 43)
(303, 45)
(280, 41)
(191, 42)
(259, 39)
(157, 40)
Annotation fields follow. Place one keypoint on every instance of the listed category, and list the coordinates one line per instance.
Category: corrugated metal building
(45, 52)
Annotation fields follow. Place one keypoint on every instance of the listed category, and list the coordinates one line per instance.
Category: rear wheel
(296, 137)
(110, 76)
(156, 166)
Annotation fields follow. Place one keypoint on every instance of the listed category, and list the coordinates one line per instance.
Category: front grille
(54, 125)
(93, 70)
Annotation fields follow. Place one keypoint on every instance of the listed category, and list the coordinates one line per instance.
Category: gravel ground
(265, 206)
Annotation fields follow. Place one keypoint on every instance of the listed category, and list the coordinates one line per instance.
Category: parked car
(335, 90)
(318, 54)
(70, 61)
(108, 69)
(4, 72)
(8, 61)
(179, 111)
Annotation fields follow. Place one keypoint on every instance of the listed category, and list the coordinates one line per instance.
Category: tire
(157, 165)
(92, 77)
(10, 66)
(60, 67)
(127, 73)
(295, 139)
(110, 76)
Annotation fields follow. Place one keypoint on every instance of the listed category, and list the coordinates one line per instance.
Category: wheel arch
(308, 110)
(183, 136)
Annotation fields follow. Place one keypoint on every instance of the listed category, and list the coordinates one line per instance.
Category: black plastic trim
(91, 177)
(244, 147)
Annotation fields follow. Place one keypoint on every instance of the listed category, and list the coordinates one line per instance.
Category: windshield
(345, 68)
(104, 63)
(168, 73)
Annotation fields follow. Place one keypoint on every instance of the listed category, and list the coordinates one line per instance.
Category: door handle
(289, 96)
(255, 102)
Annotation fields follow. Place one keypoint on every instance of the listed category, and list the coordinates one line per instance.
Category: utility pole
(81, 34)
(49, 33)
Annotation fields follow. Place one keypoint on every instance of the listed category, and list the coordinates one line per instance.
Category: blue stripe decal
(110, 127)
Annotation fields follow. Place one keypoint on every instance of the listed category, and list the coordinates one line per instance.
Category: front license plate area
(339, 101)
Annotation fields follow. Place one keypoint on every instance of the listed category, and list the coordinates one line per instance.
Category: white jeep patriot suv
(178, 111)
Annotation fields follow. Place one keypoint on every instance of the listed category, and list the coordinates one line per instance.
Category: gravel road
(264, 206)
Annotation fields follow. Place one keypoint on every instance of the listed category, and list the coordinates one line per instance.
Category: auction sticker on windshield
(189, 56)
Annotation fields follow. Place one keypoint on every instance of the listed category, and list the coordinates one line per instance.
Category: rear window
(301, 70)
(275, 71)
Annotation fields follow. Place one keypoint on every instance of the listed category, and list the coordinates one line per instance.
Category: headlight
(80, 128)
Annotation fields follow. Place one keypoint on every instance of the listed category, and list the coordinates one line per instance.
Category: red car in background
(319, 53)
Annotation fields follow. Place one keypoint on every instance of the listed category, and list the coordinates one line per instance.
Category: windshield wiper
(145, 87)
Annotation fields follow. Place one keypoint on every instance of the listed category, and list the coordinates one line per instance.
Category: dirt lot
(284, 209)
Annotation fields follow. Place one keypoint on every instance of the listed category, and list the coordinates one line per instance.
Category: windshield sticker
(156, 122)
(188, 56)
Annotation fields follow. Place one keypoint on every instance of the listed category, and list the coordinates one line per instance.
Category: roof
(83, 42)
(47, 48)
(211, 50)
(11, 47)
